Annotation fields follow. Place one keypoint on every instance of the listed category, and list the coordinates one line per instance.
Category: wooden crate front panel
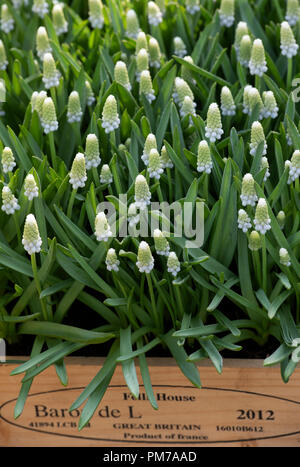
(247, 405)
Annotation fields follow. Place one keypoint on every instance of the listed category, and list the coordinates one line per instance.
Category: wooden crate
(247, 405)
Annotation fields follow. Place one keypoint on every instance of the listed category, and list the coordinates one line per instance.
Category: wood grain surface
(247, 405)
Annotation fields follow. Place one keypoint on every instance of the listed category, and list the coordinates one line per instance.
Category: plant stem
(264, 264)
(52, 150)
(71, 203)
(289, 74)
(154, 309)
(96, 177)
(17, 228)
(38, 285)
(170, 184)
(257, 82)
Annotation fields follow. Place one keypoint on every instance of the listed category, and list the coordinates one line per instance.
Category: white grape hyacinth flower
(155, 16)
(257, 137)
(7, 160)
(110, 117)
(284, 257)
(248, 194)
(161, 244)
(294, 167)
(30, 187)
(150, 143)
(40, 7)
(9, 202)
(102, 228)
(226, 13)
(7, 22)
(106, 175)
(112, 262)
(173, 264)
(48, 117)
(271, 108)
(213, 129)
(96, 14)
(145, 262)
(292, 12)
(204, 160)
(288, 44)
(51, 75)
(228, 106)
(92, 152)
(262, 220)
(155, 168)
(74, 113)
(244, 221)
(257, 63)
(133, 215)
(78, 175)
(31, 240)
(142, 195)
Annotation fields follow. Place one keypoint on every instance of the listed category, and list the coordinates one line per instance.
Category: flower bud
(192, 6)
(48, 116)
(292, 12)
(255, 102)
(165, 159)
(142, 195)
(3, 58)
(284, 257)
(59, 22)
(245, 50)
(77, 174)
(110, 117)
(155, 165)
(173, 264)
(121, 75)
(241, 30)
(42, 43)
(146, 87)
(6, 22)
(96, 14)
(142, 62)
(102, 227)
(145, 262)
(50, 74)
(288, 44)
(141, 42)
(188, 107)
(105, 175)
(8, 160)
(255, 242)
(150, 143)
(248, 194)
(112, 262)
(30, 187)
(92, 153)
(257, 137)
(262, 220)
(179, 47)
(154, 14)
(246, 99)
(74, 113)
(204, 161)
(228, 106)
(90, 98)
(265, 165)
(213, 129)
(154, 53)
(227, 13)
(9, 201)
(281, 219)
(133, 215)
(31, 241)
(181, 90)
(132, 22)
(244, 221)
(294, 167)
(162, 246)
(258, 64)
(40, 7)
(270, 105)
(186, 73)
